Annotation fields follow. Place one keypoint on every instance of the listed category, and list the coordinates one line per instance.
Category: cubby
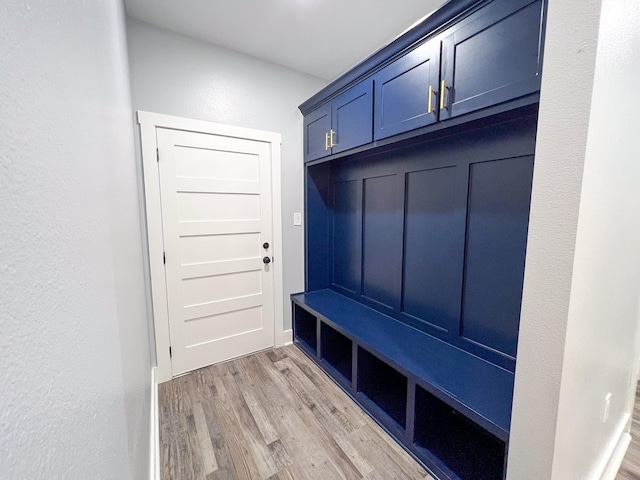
(305, 325)
(337, 351)
(455, 443)
(383, 385)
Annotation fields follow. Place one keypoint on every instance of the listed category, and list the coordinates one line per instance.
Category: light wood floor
(273, 415)
(630, 469)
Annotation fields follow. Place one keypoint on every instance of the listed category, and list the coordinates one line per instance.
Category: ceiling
(323, 38)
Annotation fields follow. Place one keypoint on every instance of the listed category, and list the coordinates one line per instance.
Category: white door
(215, 193)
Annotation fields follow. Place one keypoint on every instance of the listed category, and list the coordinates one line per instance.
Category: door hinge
(170, 356)
(164, 258)
(158, 154)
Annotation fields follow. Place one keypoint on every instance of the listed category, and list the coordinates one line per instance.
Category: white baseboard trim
(615, 461)
(154, 443)
(287, 336)
(608, 466)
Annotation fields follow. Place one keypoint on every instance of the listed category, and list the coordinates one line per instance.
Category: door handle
(266, 260)
(265, 245)
(443, 88)
(430, 106)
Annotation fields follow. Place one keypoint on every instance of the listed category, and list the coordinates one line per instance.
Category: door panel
(352, 114)
(216, 213)
(402, 92)
(316, 126)
(494, 58)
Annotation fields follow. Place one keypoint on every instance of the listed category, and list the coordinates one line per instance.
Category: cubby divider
(305, 327)
(336, 351)
(383, 385)
(448, 438)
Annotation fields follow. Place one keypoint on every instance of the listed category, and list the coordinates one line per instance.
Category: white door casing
(208, 204)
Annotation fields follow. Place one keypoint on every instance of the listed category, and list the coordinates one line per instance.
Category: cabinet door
(316, 126)
(352, 115)
(403, 94)
(494, 57)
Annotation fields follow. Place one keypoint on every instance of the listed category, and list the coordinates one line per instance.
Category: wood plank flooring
(273, 416)
(630, 468)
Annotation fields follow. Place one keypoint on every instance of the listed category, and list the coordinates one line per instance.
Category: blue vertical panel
(497, 223)
(380, 230)
(317, 217)
(431, 279)
(347, 210)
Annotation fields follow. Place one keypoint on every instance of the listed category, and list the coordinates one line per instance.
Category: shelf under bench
(478, 389)
(448, 408)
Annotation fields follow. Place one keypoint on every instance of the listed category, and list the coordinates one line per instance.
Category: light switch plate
(297, 219)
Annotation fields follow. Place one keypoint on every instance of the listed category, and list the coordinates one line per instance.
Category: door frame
(149, 123)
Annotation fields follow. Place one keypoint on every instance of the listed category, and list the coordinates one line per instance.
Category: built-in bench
(449, 407)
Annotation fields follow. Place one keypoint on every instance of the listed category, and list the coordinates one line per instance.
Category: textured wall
(176, 75)
(567, 81)
(603, 310)
(582, 280)
(74, 351)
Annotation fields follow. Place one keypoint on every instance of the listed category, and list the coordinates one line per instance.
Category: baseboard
(611, 470)
(287, 337)
(154, 441)
(611, 460)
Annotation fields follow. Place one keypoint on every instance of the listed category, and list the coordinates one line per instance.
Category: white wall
(177, 75)
(74, 351)
(603, 309)
(582, 276)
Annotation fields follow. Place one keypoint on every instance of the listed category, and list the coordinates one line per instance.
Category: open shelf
(447, 437)
(383, 385)
(305, 328)
(336, 351)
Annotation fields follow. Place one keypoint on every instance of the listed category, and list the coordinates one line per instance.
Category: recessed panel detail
(497, 223)
(212, 207)
(224, 325)
(219, 248)
(216, 164)
(201, 290)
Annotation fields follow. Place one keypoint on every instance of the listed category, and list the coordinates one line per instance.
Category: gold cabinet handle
(431, 92)
(326, 141)
(332, 143)
(443, 87)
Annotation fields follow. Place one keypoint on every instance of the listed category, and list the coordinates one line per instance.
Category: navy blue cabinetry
(417, 196)
(406, 91)
(342, 124)
(492, 57)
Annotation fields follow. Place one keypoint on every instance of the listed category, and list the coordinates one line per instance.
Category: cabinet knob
(266, 260)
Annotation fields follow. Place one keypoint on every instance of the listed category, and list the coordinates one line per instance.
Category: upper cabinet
(488, 54)
(406, 92)
(340, 125)
(493, 57)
